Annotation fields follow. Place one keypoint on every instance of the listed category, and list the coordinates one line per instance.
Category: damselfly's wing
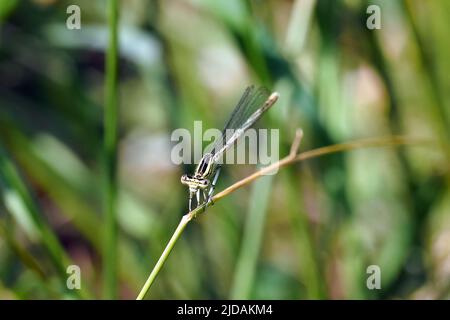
(249, 109)
(251, 100)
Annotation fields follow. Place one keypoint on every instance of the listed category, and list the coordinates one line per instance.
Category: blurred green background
(309, 232)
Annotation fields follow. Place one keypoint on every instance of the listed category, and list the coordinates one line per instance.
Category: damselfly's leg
(213, 185)
(190, 202)
(198, 197)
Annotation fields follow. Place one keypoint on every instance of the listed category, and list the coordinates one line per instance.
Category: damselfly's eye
(184, 179)
(204, 183)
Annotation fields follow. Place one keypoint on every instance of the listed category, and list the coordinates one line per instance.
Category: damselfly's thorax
(205, 166)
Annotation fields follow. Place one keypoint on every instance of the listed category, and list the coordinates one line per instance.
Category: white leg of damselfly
(198, 197)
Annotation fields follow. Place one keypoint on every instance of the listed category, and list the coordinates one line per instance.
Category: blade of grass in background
(437, 107)
(110, 158)
(73, 205)
(24, 255)
(15, 194)
(309, 265)
(252, 238)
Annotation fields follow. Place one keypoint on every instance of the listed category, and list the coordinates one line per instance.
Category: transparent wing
(248, 110)
(251, 100)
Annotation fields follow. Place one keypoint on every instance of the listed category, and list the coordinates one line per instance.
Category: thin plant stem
(293, 157)
(110, 158)
(183, 223)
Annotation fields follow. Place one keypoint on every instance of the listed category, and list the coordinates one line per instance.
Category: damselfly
(251, 106)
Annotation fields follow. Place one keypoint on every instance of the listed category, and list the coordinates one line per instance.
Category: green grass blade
(251, 243)
(110, 158)
(13, 187)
